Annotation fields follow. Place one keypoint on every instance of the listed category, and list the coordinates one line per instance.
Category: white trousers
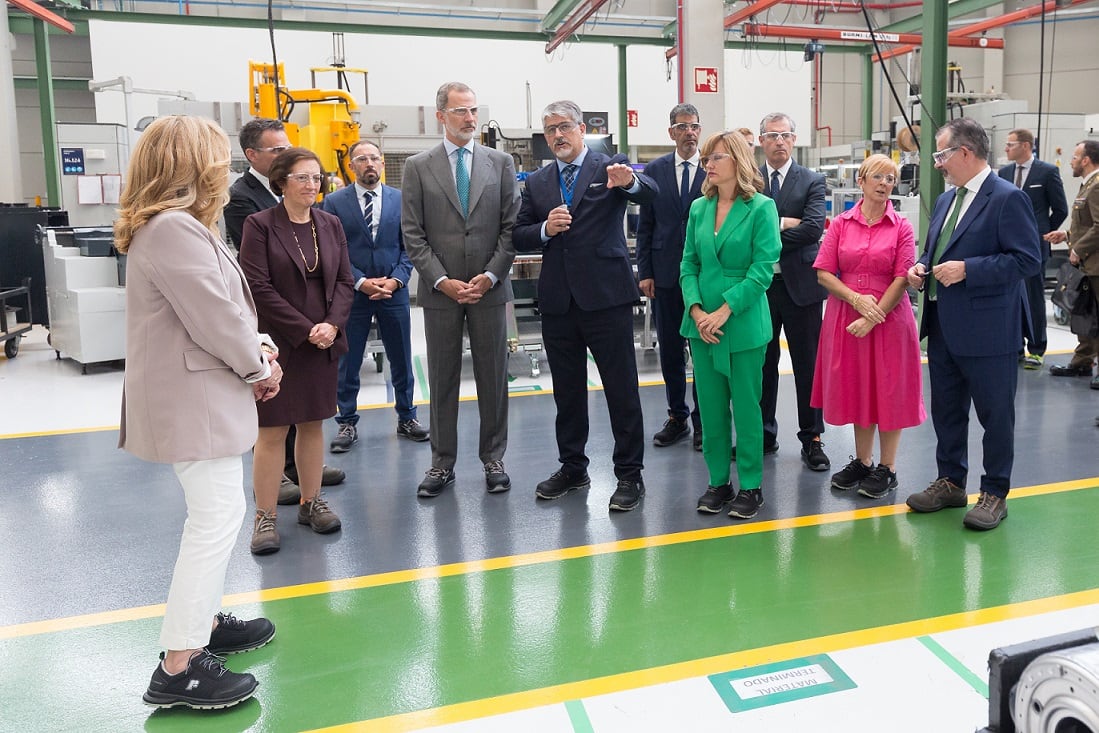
(214, 491)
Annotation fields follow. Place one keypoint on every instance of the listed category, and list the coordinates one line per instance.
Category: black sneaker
(233, 635)
(849, 476)
(673, 431)
(768, 450)
(435, 482)
(413, 430)
(627, 496)
(879, 483)
(205, 685)
(561, 483)
(346, 436)
(715, 499)
(696, 439)
(746, 504)
(496, 478)
(812, 455)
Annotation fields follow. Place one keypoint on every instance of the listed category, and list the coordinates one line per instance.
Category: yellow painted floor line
(712, 665)
(511, 561)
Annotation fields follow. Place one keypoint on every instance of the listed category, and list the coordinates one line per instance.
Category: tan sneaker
(987, 513)
(289, 493)
(318, 516)
(939, 495)
(265, 537)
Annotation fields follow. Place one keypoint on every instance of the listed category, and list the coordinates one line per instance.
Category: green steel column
(933, 96)
(868, 96)
(47, 113)
(623, 121)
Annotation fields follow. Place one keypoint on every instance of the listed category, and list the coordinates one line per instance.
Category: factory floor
(483, 613)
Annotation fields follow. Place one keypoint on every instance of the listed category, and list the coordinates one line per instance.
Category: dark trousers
(802, 326)
(668, 313)
(1034, 328)
(608, 334)
(986, 382)
(395, 327)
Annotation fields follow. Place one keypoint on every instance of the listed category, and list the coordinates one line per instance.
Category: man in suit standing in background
(371, 216)
(661, 231)
(1042, 183)
(982, 242)
(572, 212)
(261, 140)
(795, 296)
(459, 201)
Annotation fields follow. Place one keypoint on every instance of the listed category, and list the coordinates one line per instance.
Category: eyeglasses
(886, 177)
(305, 178)
(685, 126)
(462, 111)
(564, 128)
(276, 149)
(1011, 144)
(367, 159)
(705, 160)
(943, 155)
(776, 136)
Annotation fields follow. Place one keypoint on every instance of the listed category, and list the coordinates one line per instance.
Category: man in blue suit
(982, 242)
(660, 234)
(1042, 183)
(572, 211)
(371, 216)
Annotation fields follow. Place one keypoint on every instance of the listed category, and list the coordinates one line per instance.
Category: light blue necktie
(461, 179)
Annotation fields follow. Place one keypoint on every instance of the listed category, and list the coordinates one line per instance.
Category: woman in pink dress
(868, 362)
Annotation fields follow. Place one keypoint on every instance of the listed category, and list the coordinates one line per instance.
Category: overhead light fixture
(812, 48)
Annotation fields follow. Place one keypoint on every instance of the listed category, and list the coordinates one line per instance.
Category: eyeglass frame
(685, 126)
(882, 177)
(461, 111)
(563, 127)
(305, 178)
(276, 149)
(939, 157)
(372, 158)
(788, 136)
(705, 160)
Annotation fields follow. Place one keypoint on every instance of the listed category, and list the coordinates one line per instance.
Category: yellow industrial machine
(328, 125)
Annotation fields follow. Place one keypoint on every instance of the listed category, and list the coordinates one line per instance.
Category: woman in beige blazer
(195, 365)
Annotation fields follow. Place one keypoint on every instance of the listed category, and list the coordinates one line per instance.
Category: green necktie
(461, 180)
(944, 239)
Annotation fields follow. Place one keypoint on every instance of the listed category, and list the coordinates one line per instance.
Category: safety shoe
(289, 493)
(1068, 370)
(880, 482)
(318, 516)
(940, 494)
(233, 635)
(265, 536)
(413, 430)
(746, 504)
(673, 431)
(496, 479)
(346, 437)
(812, 455)
(848, 477)
(330, 476)
(561, 483)
(1032, 361)
(715, 499)
(435, 482)
(627, 495)
(205, 685)
(987, 513)
(696, 439)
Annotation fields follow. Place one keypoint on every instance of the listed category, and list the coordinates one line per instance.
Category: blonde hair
(748, 180)
(878, 163)
(180, 163)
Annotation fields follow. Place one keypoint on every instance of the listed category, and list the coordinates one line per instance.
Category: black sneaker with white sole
(746, 504)
(849, 476)
(233, 635)
(204, 685)
(878, 483)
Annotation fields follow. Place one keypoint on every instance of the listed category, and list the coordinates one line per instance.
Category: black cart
(11, 328)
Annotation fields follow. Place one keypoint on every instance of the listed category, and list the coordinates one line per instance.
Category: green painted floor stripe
(578, 716)
(421, 377)
(388, 650)
(978, 684)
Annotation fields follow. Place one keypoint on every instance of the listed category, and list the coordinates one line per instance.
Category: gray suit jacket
(440, 241)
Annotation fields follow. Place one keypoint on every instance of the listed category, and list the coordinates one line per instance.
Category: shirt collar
(360, 189)
(974, 184)
(262, 179)
(451, 147)
(783, 171)
(855, 212)
(577, 161)
(693, 160)
(1026, 163)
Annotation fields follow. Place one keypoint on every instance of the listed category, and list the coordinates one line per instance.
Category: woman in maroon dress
(295, 259)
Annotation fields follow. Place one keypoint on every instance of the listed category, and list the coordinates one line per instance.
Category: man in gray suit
(459, 202)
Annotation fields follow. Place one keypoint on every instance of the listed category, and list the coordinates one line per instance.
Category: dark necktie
(461, 179)
(775, 185)
(685, 187)
(944, 239)
(1018, 176)
(569, 174)
(368, 212)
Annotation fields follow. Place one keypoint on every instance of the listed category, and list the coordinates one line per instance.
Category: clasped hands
(322, 335)
(870, 312)
(265, 389)
(709, 325)
(377, 288)
(466, 292)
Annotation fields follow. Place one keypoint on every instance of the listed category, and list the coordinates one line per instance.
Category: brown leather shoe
(318, 516)
(939, 495)
(987, 513)
(265, 537)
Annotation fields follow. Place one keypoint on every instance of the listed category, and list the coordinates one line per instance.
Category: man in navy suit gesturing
(572, 211)
(982, 242)
(660, 234)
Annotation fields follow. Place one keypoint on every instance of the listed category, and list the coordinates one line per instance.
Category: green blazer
(734, 266)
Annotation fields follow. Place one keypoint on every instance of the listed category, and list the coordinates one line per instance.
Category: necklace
(316, 248)
(872, 220)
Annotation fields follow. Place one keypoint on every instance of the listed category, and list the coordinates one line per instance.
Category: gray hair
(682, 109)
(776, 117)
(966, 132)
(563, 108)
(253, 130)
(443, 94)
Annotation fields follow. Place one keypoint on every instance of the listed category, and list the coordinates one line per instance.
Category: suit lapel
(284, 232)
(480, 173)
(353, 211)
(439, 165)
(733, 219)
(584, 177)
(974, 210)
(327, 255)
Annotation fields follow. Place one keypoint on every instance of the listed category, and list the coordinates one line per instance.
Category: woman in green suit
(728, 261)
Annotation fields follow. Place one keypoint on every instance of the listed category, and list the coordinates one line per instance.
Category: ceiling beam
(825, 33)
(584, 10)
(42, 14)
(744, 13)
